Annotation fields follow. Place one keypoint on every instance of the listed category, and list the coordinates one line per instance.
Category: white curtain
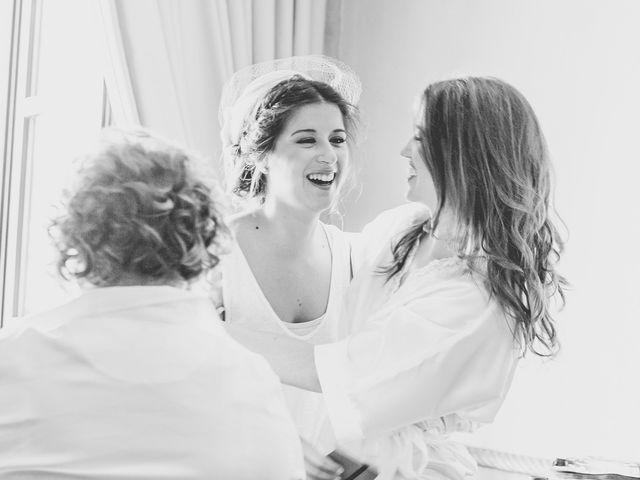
(179, 54)
(122, 101)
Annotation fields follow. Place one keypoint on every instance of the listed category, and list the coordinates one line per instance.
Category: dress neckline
(288, 327)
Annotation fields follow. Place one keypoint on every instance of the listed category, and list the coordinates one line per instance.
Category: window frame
(22, 107)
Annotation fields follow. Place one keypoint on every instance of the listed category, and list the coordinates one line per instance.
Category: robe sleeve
(448, 351)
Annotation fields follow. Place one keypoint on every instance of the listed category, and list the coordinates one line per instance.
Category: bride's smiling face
(309, 160)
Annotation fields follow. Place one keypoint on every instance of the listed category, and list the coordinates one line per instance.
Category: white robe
(430, 355)
(139, 383)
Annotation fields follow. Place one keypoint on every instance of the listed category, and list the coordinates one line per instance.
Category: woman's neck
(286, 224)
(126, 279)
(437, 245)
(430, 249)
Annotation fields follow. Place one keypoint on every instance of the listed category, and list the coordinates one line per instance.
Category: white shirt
(433, 349)
(139, 383)
(246, 305)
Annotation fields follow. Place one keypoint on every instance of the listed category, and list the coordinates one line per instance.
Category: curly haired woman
(133, 379)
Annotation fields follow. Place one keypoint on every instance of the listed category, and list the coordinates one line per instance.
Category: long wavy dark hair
(483, 145)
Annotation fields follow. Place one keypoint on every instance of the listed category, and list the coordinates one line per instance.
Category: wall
(578, 64)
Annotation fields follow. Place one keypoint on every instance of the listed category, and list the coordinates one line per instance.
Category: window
(56, 105)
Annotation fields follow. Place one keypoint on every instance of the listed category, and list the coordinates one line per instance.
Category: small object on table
(595, 468)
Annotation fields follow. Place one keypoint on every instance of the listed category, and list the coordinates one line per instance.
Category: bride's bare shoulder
(242, 225)
(239, 220)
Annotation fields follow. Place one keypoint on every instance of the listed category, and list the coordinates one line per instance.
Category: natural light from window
(70, 103)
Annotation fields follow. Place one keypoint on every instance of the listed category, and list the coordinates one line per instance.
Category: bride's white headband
(247, 87)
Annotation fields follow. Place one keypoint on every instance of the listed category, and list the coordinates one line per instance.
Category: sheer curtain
(178, 55)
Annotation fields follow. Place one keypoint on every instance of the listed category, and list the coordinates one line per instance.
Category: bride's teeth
(323, 177)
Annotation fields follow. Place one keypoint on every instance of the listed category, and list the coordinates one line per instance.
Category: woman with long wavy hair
(452, 290)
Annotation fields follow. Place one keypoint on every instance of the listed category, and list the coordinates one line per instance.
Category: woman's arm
(449, 350)
(406, 366)
(291, 359)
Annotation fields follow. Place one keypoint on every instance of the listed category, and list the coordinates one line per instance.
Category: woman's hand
(214, 290)
(318, 466)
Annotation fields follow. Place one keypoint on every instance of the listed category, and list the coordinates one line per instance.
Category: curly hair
(260, 133)
(483, 145)
(140, 210)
